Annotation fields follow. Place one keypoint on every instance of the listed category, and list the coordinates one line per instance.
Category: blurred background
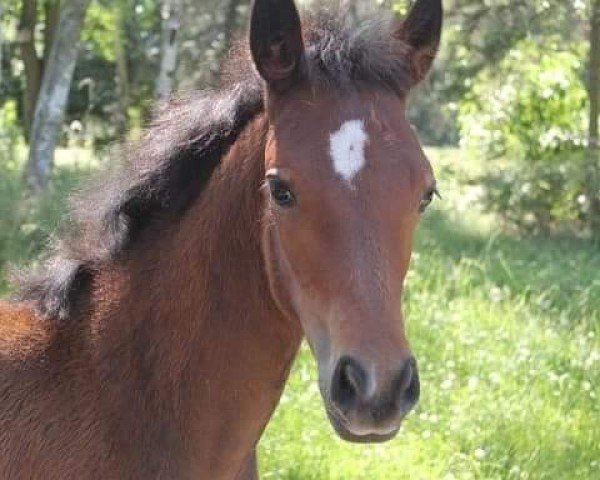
(503, 298)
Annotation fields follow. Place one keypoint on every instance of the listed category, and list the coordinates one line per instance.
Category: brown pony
(157, 339)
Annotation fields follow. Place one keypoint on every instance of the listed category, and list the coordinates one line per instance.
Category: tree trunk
(52, 13)
(53, 94)
(593, 177)
(171, 21)
(33, 65)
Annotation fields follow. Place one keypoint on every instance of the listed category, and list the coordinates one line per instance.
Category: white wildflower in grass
(496, 294)
(514, 471)
(446, 384)
(553, 377)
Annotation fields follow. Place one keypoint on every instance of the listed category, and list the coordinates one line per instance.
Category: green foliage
(480, 33)
(94, 96)
(528, 118)
(10, 131)
(531, 105)
(100, 30)
(10, 82)
(477, 37)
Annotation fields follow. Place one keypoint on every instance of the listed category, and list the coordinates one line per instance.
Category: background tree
(171, 11)
(54, 93)
(27, 39)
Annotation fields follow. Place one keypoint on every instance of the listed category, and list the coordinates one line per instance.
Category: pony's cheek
(292, 293)
(281, 279)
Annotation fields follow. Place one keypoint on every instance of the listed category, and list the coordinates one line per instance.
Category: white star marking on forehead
(347, 149)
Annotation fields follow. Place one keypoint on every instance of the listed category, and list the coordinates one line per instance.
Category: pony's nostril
(408, 386)
(348, 383)
(406, 375)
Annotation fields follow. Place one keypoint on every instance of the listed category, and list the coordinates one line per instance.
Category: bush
(535, 108)
(540, 197)
(530, 124)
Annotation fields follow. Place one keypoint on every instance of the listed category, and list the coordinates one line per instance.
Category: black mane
(167, 170)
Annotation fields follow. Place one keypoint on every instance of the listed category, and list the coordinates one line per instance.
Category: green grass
(506, 331)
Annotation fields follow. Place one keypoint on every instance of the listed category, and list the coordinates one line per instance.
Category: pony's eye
(281, 192)
(427, 199)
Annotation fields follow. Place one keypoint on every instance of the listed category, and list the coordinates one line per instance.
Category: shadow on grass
(559, 273)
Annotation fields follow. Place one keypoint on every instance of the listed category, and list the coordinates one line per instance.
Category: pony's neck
(204, 350)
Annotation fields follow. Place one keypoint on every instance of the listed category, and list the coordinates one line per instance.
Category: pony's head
(346, 182)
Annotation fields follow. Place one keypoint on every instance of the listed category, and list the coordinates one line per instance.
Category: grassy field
(506, 331)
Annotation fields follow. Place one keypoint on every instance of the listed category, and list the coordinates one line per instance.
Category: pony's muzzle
(369, 404)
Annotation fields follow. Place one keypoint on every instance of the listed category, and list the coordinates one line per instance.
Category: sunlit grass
(506, 331)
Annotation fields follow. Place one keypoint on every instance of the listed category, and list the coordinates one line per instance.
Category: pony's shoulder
(22, 333)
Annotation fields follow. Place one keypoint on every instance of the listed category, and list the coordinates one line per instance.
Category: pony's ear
(421, 31)
(276, 42)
